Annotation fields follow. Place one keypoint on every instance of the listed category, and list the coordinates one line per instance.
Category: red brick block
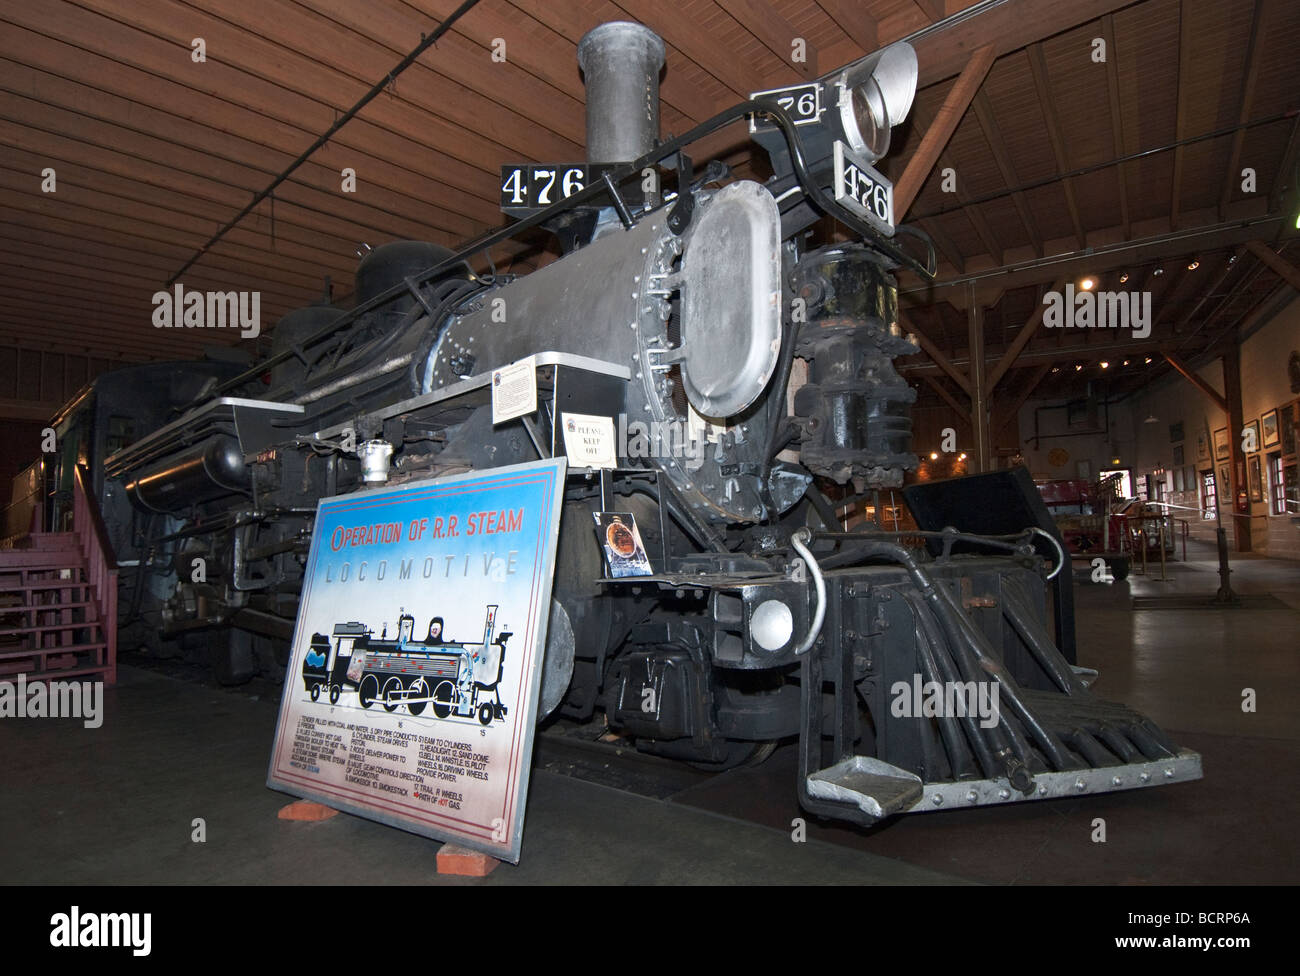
(306, 810)
(464, 862)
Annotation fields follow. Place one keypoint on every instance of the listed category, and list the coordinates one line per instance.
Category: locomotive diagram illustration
(456, 679)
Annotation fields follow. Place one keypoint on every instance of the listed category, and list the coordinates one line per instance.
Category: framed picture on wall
(1178, 457)
(1221, 444)
(1268, 422)
(1256, 480)
(1252, 435)
(1223, 485)
(1202, 446)
(1175, 432)
(1289, 422)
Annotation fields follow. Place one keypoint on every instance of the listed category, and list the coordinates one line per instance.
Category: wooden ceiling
(153, 151)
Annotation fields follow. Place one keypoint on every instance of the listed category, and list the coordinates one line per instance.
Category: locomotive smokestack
(621, 63)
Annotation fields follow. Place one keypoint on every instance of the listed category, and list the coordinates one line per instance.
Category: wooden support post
(951, 400)
(1196, 381)
(940, 360)
(1012, 409)
(1237, 458)
(1022, 339)
(1285, 269)
(979, 389)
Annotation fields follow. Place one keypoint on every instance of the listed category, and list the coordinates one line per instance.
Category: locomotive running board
(880, 790)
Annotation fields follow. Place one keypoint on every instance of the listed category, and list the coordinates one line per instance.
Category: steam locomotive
(450, 676)
(682, 300)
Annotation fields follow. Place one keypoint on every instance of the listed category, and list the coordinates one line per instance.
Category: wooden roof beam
(1180, 121)
(1007, 27)
(1116, 121)
(1012, 410)
(944, 243)
(984, 114)
(932, 9)
(1038, 66)
(1035, 354)
(852, 17)
(1233, 174)
(774, 32)
(963, 409)
(1286, 171)
(1022, 338)
(1197, 382)
(1107, 253)
(940, 360)
(940, 131)
(1276, 262)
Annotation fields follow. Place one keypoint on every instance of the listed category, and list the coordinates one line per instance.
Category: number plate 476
(862, 191)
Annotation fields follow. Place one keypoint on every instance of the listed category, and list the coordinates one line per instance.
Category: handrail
(101, 567)
(86, 516)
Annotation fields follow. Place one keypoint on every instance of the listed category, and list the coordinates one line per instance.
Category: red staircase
(58, 599)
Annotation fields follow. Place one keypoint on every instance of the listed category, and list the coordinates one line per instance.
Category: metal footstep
(876, 788)
(880, 790)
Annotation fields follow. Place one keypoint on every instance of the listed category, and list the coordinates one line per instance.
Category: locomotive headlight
(772, 625)
(875, 94)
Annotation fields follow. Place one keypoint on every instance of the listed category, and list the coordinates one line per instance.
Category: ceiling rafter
(1046, 101)
(775, 33)
(1118, 135)
(988, 125)
(1180, 119)
(855, 20)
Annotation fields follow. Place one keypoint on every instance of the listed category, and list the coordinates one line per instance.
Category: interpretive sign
(412, 689)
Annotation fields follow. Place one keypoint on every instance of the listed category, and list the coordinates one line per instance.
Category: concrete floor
(115, 805)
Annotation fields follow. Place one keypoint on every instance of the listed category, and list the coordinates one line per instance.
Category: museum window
(1209, 503)
(1279, 480)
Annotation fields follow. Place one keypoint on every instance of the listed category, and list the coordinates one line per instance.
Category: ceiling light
(1151, 419)
(962, 458)
(1105, 364)
(1123, 278)
(934, 456)
(1148, 360)
(1194, 265)
(1077, 367)
(1056, 369)
(1088, 284)
(1126, 362)
(1157, 272)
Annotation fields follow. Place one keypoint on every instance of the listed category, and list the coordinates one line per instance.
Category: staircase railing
(101, 567)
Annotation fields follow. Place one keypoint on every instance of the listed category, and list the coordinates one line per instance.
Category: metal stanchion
(1163, 577)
